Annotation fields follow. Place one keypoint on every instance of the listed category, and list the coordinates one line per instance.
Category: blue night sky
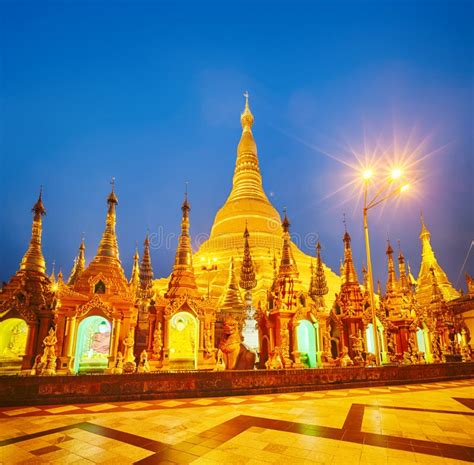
(151, 93)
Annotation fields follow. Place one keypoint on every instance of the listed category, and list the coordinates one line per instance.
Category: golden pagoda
(425, 280)
(26, 303)
(248, 206)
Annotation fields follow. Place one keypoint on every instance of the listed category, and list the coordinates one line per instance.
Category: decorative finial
(112, 198)
(344, 221)
(38, 208)
(246, 118)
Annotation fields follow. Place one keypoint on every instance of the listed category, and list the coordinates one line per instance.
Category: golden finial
(246, 118)
(286, 222)
(112, 198)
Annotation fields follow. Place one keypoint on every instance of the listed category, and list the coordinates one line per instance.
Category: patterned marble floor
(408, 424)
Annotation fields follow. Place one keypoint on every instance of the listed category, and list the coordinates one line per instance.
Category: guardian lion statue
(234, 354)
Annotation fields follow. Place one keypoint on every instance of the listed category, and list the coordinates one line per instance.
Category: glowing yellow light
(202, 259)
(367, 174)
(54, 287)
(396, 173)
(214, 259)
(405, 187)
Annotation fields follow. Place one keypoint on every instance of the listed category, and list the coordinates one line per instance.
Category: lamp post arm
(373, 204)
(383, 189)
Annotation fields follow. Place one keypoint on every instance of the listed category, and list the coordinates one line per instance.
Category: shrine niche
(92, 345)
(183, 332)
(13, 338)
(307, 344)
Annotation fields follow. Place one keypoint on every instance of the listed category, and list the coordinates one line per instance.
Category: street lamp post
(367, 175)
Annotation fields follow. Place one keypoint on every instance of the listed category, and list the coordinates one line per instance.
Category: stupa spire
(232, 298)
(79, 264)
(287, 263)
(146, 270)
(33, 260)
(392, 278)
(135, 277)
(247, 181)
(182, 278)
(247, 271)
(404, 285)
(108, 247)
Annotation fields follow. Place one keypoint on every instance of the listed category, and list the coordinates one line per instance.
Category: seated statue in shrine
(275, 361)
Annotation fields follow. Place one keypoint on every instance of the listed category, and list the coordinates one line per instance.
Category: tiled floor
(410, 424)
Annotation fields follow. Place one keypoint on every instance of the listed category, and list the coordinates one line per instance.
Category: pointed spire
(404, 285)
(247, 181)
(287, 263)
(52, 276)
(232, 299)
(247, 271)
(424, 234)
(318, 287)
(33, 259)
(392, 278)
(379, 288)
(108, 247)
(428, 262)
(146, 270)
(182, 278)
(79, 264)
(135, 277)
(349, 273)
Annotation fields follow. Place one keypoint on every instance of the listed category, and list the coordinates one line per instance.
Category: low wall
(37, 390)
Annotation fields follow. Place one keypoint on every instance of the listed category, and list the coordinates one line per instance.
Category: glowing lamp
(396, 173)
(367, 174)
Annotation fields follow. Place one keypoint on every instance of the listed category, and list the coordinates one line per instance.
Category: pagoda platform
(49, 390)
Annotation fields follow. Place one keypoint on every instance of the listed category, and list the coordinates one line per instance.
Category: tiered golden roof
(106, 265)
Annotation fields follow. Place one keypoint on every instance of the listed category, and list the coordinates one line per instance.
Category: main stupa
(248, 205)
